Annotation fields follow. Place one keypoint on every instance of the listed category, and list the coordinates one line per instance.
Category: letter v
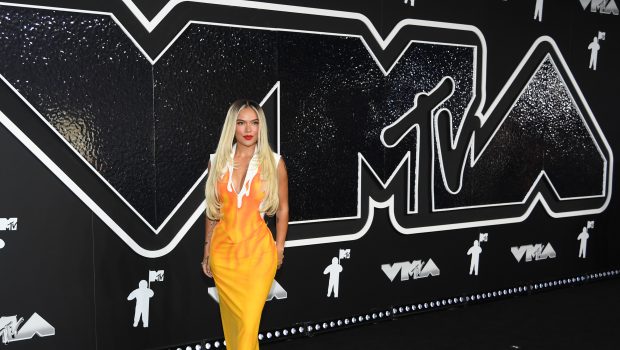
(518, 252)
(391, 270)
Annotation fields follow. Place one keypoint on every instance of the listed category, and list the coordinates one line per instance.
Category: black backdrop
(107, 124)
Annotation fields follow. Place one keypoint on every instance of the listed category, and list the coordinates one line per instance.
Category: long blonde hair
(266, 161)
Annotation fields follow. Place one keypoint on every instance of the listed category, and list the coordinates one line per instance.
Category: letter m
(533, 252)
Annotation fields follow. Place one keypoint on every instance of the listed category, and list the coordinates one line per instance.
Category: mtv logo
(590, 224)
(156, 276)
(8, 224)
(484, 237)
(345, 254)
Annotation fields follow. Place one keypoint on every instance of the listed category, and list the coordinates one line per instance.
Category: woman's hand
(280, 250)
(205, 267)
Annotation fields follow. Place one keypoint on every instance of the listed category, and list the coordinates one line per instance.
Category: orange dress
(243, 257)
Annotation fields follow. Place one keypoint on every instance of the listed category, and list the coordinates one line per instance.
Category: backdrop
(439, 153)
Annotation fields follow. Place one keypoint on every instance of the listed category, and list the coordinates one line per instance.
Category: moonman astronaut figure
(583, 237)
(474, 251)
(142, 295)
(334, 270)
(593, 47)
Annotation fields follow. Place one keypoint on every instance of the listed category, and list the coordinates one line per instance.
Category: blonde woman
(246, 181)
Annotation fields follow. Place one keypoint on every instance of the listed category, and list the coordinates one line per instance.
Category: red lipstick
(248, 137)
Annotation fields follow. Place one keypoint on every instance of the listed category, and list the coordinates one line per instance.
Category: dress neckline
(249, 174)
(242, 181)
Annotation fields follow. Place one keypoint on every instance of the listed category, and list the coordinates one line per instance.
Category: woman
(246, 180)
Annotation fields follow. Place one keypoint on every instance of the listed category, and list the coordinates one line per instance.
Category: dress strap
(212, 159)
(276, 157)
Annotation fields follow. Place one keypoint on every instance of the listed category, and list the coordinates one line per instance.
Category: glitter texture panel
(544, 131)
(148, 130)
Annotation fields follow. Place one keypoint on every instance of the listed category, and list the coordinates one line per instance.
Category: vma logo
(601, 6)
(415, 269)
(8, 224)
(447, 131)
(533, 252)
(11, 331)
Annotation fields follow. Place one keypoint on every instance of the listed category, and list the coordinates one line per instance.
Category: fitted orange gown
(243, 258)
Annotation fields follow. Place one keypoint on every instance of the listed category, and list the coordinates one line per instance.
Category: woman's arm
(282, 212)
(209, 225)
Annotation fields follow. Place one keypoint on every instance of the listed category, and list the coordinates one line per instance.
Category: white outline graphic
(383, 43)
(474, 158)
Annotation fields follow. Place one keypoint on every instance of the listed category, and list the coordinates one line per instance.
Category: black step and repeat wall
(439, 153)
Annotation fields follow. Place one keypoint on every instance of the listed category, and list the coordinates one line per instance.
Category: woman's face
(246, 130)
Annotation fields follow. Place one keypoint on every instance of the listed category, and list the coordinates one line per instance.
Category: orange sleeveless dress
(243, 257)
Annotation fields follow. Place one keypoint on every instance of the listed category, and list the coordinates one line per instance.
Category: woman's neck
(245, 151)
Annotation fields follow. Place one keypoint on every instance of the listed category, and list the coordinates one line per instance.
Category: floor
(585, 316)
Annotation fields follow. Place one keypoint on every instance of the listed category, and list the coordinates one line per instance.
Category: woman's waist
(241, 232)
(253, 245)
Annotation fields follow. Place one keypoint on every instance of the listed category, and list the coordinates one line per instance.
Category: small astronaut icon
(143, 295)
(475, 252)
(334, 270)
(594, 47)
(583, 237)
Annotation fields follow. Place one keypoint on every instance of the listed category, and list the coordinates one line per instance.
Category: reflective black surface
(148, 130)
(544, 131)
